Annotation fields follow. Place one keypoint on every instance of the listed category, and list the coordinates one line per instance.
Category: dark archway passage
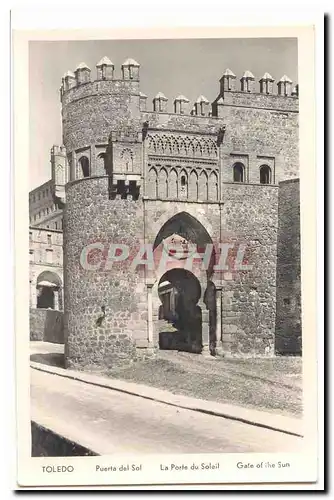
(49, 291)
(180, 318)
(187, 309)
(46, 298)
(186, 226)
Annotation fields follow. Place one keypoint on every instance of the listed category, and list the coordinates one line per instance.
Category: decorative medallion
(178, 247)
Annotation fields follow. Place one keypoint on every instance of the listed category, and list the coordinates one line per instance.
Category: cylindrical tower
(104, 309)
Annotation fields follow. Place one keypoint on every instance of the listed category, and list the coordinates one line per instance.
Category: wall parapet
(79, 85)
(273, 102)
(100, 87)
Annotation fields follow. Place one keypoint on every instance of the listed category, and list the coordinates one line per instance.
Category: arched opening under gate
(180, 318)
(49, 291)
(184, 309)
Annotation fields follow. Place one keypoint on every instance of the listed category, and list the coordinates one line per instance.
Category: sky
(189, 66)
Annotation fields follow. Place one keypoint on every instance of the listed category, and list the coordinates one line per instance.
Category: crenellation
(105, 69)
(284, 86)
(69, 80)
(160, 103)
(266, 84)
(106, 83)
(130, 70)
(227, 81)
(142, 101)
(201, 106)
(295, 91)
(181, 104)
(247, 82)
(82, 74)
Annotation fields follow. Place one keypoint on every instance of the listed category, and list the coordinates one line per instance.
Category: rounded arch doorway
(49, 287)
(180, 317)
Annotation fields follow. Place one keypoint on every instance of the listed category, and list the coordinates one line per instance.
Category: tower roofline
(105, 61)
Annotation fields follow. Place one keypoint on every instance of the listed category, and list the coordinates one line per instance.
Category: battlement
(205, 171)
(105, 71)
(105, 121)
(265, 84)
(79, 85)
(58, 150)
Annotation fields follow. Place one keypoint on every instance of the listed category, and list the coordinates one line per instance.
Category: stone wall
(288, 313)
(257, 136)
(161, 164)
(91, 111)
(249, 216)
(259, 100)
(176, 122)
(207, 228)
(46, 325)
(103, 308)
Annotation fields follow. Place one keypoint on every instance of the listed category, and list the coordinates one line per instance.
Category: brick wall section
(288, 314)
(89, 217)
(46, 325)
(249, 298)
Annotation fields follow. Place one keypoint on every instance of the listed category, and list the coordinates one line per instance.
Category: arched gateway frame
(49, 291)
(182, 303)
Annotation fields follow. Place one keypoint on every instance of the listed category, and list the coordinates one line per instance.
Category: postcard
(165, 256)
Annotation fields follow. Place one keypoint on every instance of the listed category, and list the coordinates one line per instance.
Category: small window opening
(265, 175)
(238, 172)
(84, 162)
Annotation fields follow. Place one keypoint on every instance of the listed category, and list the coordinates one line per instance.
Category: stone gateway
(219, 175)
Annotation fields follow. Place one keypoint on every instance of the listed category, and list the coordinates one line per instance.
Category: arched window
(238, 172)
(84, 162)
(265, 174)
(193, 185)
(127, 160)
(152, 187)
(183, 179)
(102, 164)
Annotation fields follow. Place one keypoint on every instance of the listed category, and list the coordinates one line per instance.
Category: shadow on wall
(288, 340)
(47, 325)
(50, 359)
(46, 443)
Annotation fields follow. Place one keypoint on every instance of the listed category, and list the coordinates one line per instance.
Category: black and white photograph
(165, 278)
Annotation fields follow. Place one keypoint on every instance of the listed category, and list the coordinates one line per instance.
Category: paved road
(108, 421)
